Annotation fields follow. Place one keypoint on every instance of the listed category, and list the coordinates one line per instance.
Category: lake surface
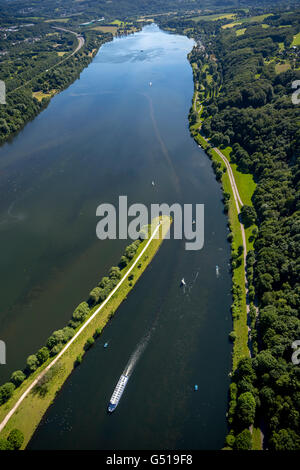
(112, 134)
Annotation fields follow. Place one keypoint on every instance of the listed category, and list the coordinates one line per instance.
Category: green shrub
(15, 438)
(6, 392)
(56, 349)
(230, 440)
(43, 355)
(17, 377)
(32, 363)
(232, 336)
(243, 441)
(78, 360)
(89, 343)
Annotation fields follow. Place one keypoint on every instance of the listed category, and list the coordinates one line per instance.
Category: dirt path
(229, 169)
(239, 204)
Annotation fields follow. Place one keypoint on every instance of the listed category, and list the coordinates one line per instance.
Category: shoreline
(241, 343)
(240, 347)
(25, 409)
(39, 102)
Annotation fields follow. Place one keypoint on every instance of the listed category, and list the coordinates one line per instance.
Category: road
(80, 39)
(31, 386)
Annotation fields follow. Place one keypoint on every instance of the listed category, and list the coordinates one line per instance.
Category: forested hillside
(247, 71)
(34, 70)
(123, 8)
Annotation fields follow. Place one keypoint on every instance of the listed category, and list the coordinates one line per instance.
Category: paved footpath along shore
(30, 387)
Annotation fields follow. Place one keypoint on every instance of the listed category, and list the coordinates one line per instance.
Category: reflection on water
(111, 134)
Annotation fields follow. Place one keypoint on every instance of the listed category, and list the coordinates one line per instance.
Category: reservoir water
(111, 134)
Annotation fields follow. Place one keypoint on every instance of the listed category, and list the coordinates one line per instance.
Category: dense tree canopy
(247, 100)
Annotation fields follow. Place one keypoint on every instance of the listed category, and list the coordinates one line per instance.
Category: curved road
(79, 46)
(80, 39)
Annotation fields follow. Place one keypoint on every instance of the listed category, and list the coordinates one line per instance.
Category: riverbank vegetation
(247, 107)
(38, 61)
(32, 408)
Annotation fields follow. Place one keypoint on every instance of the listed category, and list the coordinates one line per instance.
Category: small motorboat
(150, 83)
(196, 388)
(217, 270)
(183, 282)
(105, 345)
(194, 221)
(153, 184)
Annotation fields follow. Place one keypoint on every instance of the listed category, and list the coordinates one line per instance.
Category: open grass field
(215, 17)
(117, 22)
(148, 20)
(256, 439)
(230, 25)
(106, 29)
(257, 19)
(279, 68)
(245, 182)
(58, 20)
(241, 31)
(250, 19)
(39, 95)
(32, 408)
(296, 40)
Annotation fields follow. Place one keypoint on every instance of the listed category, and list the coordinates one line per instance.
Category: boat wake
(123, 380)
(18, 217)
(188, 287)
(135, 356)
(11, 218)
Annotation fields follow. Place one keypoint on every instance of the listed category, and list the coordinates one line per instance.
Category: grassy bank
(35, 92)
(246, 187)
(29, 413)
(239, 308)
